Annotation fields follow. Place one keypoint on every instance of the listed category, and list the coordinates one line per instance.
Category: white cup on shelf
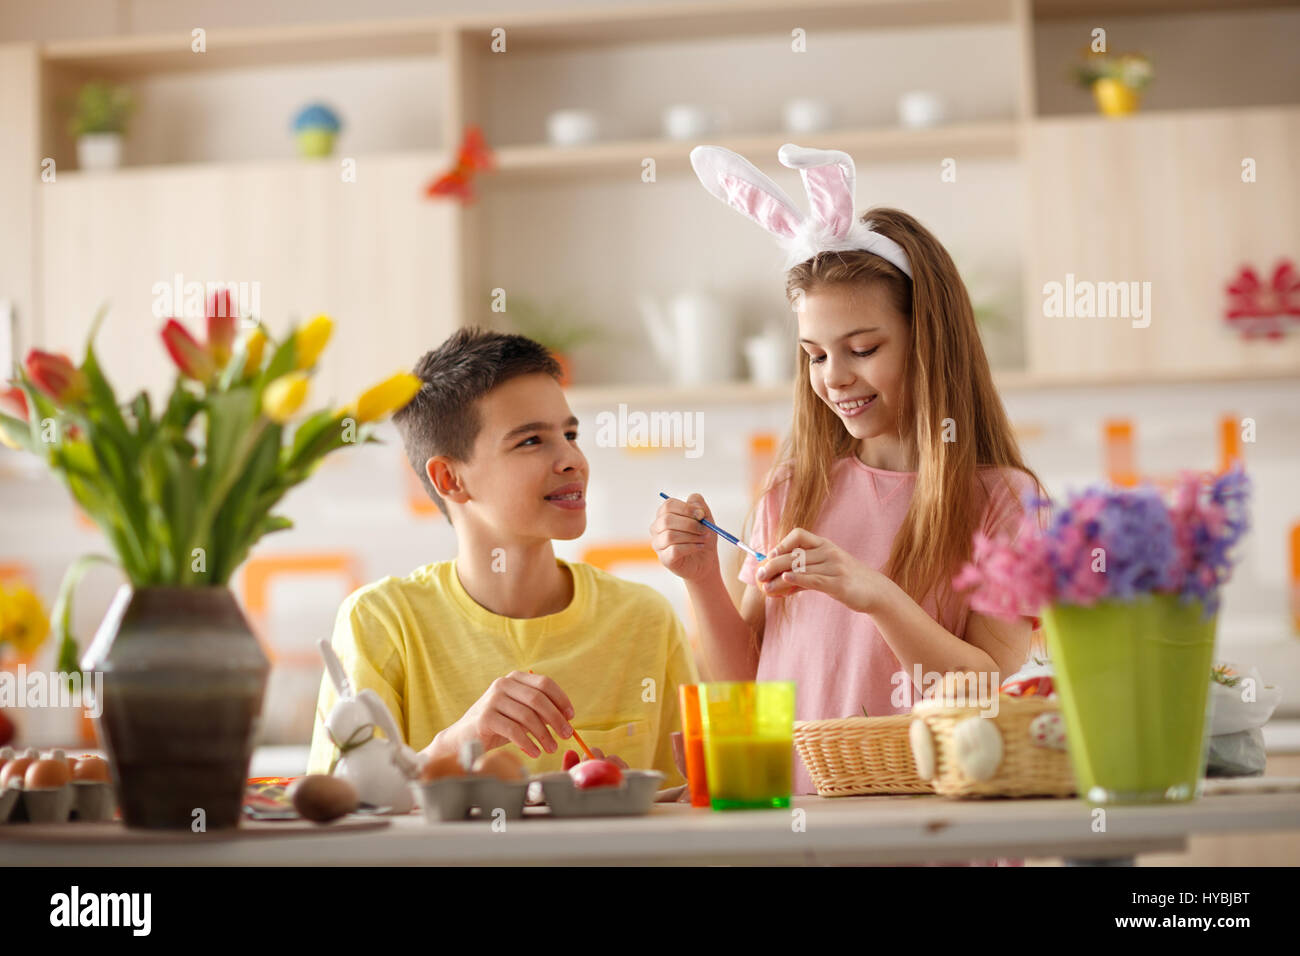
(688, 121)
(918, 109)
(571, 127)
(807, 116)
(769, 358)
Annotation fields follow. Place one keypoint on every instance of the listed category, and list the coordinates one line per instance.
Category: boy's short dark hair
(443, 418)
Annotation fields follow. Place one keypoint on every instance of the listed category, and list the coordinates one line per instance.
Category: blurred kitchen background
(599, 239)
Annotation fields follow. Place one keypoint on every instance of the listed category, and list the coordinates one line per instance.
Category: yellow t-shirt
(429, 651)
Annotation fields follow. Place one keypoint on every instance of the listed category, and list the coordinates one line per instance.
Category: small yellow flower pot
(1114, 98)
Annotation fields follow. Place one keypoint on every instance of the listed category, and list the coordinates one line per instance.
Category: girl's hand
(805, 562)
(685, 547)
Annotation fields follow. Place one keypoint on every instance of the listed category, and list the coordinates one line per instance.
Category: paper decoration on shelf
(315, 128)
(1264, 311)
(458, 182)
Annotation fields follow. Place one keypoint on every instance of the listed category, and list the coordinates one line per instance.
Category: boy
(508, 644)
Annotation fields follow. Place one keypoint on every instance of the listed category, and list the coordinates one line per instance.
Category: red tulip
(190, 357)
(13, 402)
(57, 377)
(222, 318)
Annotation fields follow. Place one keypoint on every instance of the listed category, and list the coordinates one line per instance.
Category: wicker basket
(1020, 752)
(858, 755)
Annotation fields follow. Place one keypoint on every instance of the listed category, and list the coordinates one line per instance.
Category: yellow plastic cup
(748, 743)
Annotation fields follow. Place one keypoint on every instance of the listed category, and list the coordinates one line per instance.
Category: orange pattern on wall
(1119, 454)
(260, 571)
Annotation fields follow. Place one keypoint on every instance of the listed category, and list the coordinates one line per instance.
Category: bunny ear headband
(828, 177)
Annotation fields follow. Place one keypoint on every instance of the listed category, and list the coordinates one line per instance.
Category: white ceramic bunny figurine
(379, 769)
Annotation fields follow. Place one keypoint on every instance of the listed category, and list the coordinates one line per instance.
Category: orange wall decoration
(1295, 578)
(762, 456)
(259, 572)
(1229, 442)
(1119, 454)
(418, 501)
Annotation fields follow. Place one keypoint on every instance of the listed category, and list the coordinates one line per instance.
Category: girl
(899, 452)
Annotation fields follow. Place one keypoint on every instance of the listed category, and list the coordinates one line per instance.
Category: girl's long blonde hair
(947, 376)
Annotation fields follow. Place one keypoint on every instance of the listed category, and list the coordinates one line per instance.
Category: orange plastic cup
(693, 739)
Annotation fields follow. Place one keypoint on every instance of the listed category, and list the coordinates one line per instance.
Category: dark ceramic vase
(183, 680)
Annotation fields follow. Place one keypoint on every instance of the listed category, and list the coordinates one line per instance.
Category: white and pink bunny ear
(829, 179)
(737, 182)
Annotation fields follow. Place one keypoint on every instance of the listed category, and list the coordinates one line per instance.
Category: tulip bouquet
(183, 493)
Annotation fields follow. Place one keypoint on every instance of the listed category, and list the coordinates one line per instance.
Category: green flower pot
(1134, 682)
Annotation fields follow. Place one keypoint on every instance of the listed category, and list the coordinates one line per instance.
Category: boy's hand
(685, 547)
(515, 706)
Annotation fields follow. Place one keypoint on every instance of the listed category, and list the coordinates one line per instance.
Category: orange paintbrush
(585, 748)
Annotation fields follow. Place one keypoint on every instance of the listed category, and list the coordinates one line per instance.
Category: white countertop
(845, 830)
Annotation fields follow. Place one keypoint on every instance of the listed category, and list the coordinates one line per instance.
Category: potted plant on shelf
(554, 328)
(182, 494)
(1116, 81)
(1130, 584)
(98, 122)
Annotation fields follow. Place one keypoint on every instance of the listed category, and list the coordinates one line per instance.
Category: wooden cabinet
(369, 252)
(1158, 200)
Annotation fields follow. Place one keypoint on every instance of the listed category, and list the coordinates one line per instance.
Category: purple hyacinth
(1108, 543)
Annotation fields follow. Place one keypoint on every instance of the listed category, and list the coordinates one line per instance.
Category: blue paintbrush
(725, 535)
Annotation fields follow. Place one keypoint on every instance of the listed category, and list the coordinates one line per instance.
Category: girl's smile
(850, 407)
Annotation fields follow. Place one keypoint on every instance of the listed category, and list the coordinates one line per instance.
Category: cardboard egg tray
(633, 797)
(454, 798)
(79, 800)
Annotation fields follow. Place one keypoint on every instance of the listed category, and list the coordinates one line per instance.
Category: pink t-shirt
(836, 657)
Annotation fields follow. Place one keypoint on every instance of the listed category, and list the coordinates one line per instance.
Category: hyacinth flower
(1113, 544)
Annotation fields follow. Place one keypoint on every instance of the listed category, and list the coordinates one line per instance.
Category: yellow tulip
(22, 619)
(309, 341)
(253, 347)
(388, 396)
(284, 396)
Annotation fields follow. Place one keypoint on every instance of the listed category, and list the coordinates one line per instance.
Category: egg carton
(633, 797)
(454, 798)
(80, 800)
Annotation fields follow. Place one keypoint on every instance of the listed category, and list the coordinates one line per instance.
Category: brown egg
(321, 798)
(15, 769)
(447, 765)
(48, 774)
(501, 764)
(91, 769)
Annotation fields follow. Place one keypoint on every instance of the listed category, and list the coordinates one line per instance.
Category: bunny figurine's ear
(737, 182)
(334, 667)
(829, 179)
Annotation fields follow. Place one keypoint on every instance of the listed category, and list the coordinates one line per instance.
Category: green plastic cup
(748, 743)
(1134, 682)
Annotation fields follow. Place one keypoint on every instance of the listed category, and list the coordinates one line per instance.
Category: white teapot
(695, 336)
